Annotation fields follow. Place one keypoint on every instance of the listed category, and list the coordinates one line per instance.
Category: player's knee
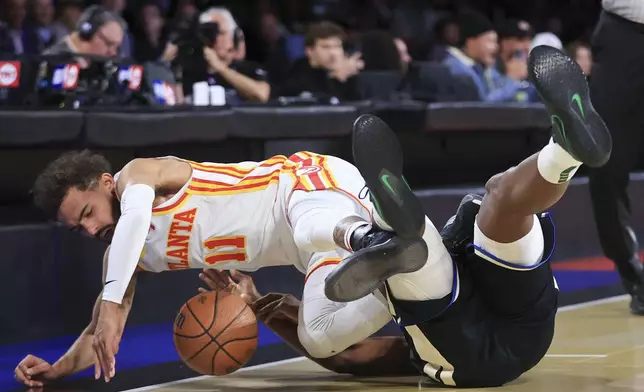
(315, 342)
(493, 188)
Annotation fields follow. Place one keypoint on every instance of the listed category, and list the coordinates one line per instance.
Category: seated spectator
(242, 80)
(98, 32)
(67, 14)
(446, 35)
(476, 58)
(150, 40)
(18, 39)
(380, 52)
(40, 18)
(273, 38)
(582, 54)
(515, 37)
(327, 71)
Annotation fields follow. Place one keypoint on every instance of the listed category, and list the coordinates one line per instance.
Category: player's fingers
(108, 359)
(40, 368)
(211, 273)
(24, 369)
(266, 299)
(103, 358)
(97, 368)
(202, 290)
(213, 281)
(282, 310)
(266, 310)
(238, 275)
(20, 376)
(220, 278)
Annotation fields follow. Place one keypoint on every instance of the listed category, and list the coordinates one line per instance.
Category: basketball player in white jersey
(306, 210)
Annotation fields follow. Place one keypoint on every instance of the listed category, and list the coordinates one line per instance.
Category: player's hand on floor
(106, 341)
(34, 372)
(277, 306)
(236, 284)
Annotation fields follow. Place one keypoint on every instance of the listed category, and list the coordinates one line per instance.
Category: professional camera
(190, 40)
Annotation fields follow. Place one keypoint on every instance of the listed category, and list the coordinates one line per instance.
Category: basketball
(215, 334)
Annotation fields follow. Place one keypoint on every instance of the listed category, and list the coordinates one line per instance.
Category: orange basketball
(215, 334)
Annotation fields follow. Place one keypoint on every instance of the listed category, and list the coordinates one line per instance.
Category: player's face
(91, 211)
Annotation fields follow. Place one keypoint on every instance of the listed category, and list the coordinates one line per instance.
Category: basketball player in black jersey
(498, 320)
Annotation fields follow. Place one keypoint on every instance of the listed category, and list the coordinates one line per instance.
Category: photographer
(98, 32)
(242, 80)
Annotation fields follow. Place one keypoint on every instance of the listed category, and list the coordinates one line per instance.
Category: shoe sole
(563, 88)
(378, 156)
(364, 271)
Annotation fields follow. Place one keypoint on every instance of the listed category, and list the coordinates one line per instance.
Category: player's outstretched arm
(34, 372)
(136, 187)
(375, 356)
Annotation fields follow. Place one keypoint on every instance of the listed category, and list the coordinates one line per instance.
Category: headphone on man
(91, 20)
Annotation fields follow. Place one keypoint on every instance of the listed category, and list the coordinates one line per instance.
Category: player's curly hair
(76, 169)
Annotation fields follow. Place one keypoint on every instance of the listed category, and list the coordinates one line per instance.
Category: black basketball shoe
(381, 255)
(377, 256)
(458, 232)
(577, 127)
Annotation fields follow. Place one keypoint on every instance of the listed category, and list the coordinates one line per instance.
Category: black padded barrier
(293, 122)
(154, 128)
(485, 117)
(34, 128)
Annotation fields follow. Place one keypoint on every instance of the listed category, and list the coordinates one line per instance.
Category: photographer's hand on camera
(214, 62)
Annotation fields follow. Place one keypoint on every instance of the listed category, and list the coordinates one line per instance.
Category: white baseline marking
(576, 355)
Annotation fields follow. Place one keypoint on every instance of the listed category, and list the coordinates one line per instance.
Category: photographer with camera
(220, 38)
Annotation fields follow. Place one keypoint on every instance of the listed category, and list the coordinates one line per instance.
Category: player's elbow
(315, 342)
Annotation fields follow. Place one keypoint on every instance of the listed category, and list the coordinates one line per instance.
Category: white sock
(434, 280)
(555, 164)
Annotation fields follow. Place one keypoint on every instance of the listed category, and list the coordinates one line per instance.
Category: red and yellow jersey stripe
(308, 171)
(320, 264)
(312, 172)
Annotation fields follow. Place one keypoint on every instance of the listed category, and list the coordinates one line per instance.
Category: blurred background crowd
(256, 51)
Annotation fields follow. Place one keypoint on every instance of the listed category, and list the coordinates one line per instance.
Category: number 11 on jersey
(226, 250)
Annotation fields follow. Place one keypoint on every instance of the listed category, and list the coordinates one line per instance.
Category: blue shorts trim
(549, 234)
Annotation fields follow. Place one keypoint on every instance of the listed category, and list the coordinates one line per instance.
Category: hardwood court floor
(598, 346)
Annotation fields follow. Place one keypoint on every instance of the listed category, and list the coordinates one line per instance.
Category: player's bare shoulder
(165, 175)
